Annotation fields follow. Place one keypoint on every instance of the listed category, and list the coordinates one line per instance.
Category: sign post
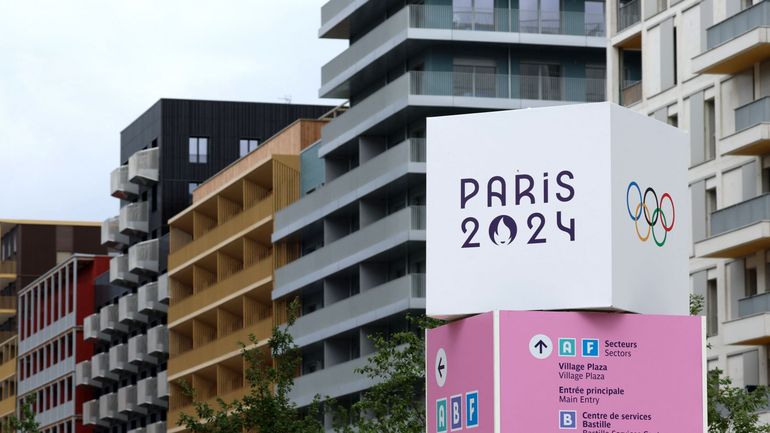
(582, 209)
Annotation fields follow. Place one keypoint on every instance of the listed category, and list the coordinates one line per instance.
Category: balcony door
(475, 78)
(594, 18)
(541, 81)
(474, 14)
(540, 16)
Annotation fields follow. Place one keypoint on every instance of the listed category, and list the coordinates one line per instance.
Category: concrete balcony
(157, 341)
(100, 368)
(92, 328)
(752, 125)
(335, 381)
(137, 351)
(752, 327)
(736, 43)
(143, 166)
(335, 15)
(414, 24)
(109, 322)
(156, 427)
(153, 391)
(128, 311)
(225, 346)
(119, 273)
(127, 402)
(83, 374)
(395, 229)
(111, 236)
(257, 215)
(401, 294)
(108, 408)
(151, 297)
(738, 230)
(395, 163)
(629, 13)
(120, 187)
(119, 360)
(462, 91)
(91, 414)
(144, 258)
(134, 218)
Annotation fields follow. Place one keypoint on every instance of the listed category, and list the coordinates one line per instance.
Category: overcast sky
(74, 73)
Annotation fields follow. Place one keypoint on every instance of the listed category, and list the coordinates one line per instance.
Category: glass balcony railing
(631, 93)
(508, 20)
(738, 24)
(740, 215)
(629, 13)
(754, 305)
(531, 87)
(752, 114)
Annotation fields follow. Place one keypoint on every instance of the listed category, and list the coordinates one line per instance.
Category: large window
(248, 145)
(540, 16)
(474, 78)
(474, 14)
(541, 81)
(199, 150)
(594, 18)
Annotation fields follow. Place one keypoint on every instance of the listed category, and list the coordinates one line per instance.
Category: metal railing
(508, 20)
(752, 114)
(483, 85)
(740, 214)
(738, 24)
(631, 93)
(629, 13)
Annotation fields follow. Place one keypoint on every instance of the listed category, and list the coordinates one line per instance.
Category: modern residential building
(221, 267)
(28, 249)
(51, 315)
(361, 220)
(702, 65)
(164, 155)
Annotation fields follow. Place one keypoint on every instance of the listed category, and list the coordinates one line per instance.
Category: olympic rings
(642, 209)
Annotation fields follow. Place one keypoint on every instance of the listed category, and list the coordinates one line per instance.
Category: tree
(396, 403)
(267, 407)
(25, 422)
(730, 408)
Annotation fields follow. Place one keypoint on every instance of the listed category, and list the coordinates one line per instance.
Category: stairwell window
(247, 146)
(199, 150)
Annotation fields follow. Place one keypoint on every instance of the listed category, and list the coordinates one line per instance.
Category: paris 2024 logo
(649, 210)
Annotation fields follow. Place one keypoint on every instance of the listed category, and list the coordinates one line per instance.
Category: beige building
(702, 65)
(221, 266)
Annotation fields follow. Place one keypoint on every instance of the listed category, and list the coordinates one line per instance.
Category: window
(745, 4)
(595, 82)
(673, 120)
(540, 16)
(474, 14)
(751, 282)
(469, 79)
(594, 18)
(199, 150)
(711, 206)
(709, 123)
(191, 187)
(541, 81)
(247, 146)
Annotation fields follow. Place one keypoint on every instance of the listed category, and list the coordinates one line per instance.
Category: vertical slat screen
(227, 322)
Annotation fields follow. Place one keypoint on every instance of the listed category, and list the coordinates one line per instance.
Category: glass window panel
(484, 81)
(193, 149)
(244, 147)
(594, 18)
(484, 14)
(462, 80)
(550, 16)
(462, 14)
(203, 150)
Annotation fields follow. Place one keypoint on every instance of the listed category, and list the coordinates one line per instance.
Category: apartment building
(164, 155)
(703, 66)
(28, 249)
(361, 219)
(221, 266)
(51, 315)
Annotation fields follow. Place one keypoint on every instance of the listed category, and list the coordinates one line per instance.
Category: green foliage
(734, 409)
(396, 404)
(730, 408)
(26, 423)
(266, 407)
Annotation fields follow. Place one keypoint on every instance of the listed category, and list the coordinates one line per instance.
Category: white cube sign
(573, 207)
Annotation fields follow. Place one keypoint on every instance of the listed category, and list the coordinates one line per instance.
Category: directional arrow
(540, 345)
(441, 367)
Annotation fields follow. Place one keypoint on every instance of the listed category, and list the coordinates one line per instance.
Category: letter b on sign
(456, 404)
(441, 416)
(567, 419)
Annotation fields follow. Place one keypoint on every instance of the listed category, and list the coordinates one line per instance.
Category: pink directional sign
(562, 371)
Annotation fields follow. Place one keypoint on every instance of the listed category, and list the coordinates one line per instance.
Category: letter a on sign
(441, 416)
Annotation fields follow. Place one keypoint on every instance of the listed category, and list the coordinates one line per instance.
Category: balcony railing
(631, 93)
(134, 218)
(754, 305)
(738, 24)
(629, 13)
(144, 257)
(740, 215)
(143, 166)
(120, 187)
(119, 272)
(508, 20)
(111, 236)
(752, 114)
